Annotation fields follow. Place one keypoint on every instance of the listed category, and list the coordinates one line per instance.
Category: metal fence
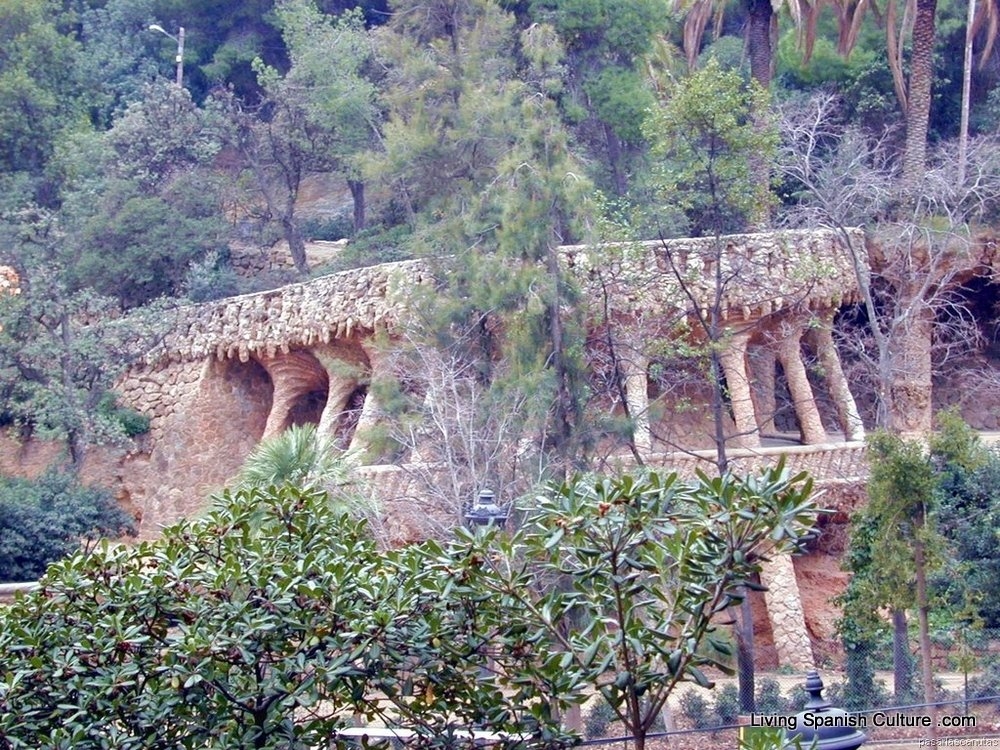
(887, 704)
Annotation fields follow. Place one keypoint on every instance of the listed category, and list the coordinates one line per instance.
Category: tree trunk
(296, 245)
(760, 20)
(918, 104)
(745, 656)
(910, 370)
(357, 188)
(760, 14)
(566, 405)
(923, 608)
(75, 430)
(615, 160)
(902, 669)
(718, 412)
(963, 130)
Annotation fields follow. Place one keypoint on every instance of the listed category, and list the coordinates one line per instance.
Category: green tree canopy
(708, 143)
(274, 622)
(44, 520)
(618, 581)
(270, 622)
(142, 202)
(40, 93)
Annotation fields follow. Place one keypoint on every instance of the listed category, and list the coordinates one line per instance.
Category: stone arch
(301, 389)
(324, 385)
(234, 398)
(220, 415)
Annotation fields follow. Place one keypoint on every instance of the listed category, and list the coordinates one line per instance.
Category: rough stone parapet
(355, 302)
(250, 260)
(769, 271)
(826, 463)
(762, 273)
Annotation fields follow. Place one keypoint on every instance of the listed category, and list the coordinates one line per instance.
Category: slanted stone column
(294, 376)
(803, 399)
(762, 361)
(734, 364)
(344, 367)
(341, 388)
(847, 407)
(634, 366)
(784, 607)
(370, 411)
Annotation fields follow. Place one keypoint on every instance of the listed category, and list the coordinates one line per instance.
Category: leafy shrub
(272, 621)
(852, 698)
(597, 719)
(270, 606)
(768, 698)
(210, 278)
(695, 709)
(798, 697)
(44, 520)
(727, 704)
(987, 684)
(128, 421)
(328, 229)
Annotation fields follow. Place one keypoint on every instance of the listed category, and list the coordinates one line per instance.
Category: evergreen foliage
(274, 621)
(271, 622)
(46, 519)
(624, 576)
(298, 456)
(910, 532)
(709, 143)
(61, 349)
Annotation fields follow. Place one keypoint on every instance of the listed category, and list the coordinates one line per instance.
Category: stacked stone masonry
(231, 372)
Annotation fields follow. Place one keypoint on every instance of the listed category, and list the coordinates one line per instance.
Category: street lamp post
(180, 48)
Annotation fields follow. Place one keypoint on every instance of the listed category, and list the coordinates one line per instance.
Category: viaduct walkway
(230, 373)
(322, 342)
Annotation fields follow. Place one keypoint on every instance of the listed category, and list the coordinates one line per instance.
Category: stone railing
(763, 272)
(354, 302)
(760, 273)
(826, 463)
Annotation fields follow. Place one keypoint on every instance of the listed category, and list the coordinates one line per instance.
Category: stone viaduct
(232, 372)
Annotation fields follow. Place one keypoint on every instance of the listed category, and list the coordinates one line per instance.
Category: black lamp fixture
(485, 511)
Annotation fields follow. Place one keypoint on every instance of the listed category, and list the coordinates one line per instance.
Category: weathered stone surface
(784, 605)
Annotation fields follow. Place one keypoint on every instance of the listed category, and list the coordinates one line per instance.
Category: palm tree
(761, 29)
(916, 22)
(299, 456)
